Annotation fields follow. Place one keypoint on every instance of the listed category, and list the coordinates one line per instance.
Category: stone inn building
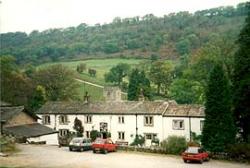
(125, 119)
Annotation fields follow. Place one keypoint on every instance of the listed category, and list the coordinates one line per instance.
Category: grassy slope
(102, 66)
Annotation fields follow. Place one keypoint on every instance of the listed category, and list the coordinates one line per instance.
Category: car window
(76, 140)
(192, 150)
(99, 141)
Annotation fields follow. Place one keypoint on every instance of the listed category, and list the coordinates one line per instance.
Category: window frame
(121, 120)
(88, 119)
(63, 121)
(149, 120)
(179, 121)
(46, 120)
(121, 135)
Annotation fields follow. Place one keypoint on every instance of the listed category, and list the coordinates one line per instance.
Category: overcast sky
(28, 15)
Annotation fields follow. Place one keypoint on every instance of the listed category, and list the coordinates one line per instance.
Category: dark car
(195, 154)
(103, 145)
(80, 144)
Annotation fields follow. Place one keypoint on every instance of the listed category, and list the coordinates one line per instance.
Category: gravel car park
(42, 156)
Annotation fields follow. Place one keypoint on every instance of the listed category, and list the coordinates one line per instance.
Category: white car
(80, 144)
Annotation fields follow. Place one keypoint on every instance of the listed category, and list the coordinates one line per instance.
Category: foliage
(81, 67)
(186, 91)
(161, 73)
(241, 81)
(139, 85)
(174, 144)
(240, 151)
(38, 98)
(138, 35)
(7, 144)
(58, 82)
(78, 127)
(16, 87)
(138, 141)
(94, 134)
(117, 73)
(219, 129)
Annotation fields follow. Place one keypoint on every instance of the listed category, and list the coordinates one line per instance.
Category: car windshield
(192, 150)
(77, 140)
(99, 141)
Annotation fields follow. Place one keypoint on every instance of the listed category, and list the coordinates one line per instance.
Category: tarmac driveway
(37, 156)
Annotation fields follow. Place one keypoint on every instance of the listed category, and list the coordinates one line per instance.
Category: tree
(37, 99)
(16, 87)
(117, 73)
(58, 82)
(186, 91)
(161, 73)
(241, 81)
(138, 84)
(78, 127)
(219, 129)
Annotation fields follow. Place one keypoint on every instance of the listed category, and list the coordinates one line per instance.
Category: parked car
(103, 145)
(80, 144)
(195, 154)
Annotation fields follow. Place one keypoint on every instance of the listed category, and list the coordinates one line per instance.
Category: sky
(29, 15)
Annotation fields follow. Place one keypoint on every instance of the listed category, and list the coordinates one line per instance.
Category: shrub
(174, 144)
(94, 134)
(138, 141)
(239, 151)
(7, 144)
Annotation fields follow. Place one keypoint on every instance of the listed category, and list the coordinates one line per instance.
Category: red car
(103, 145)
(195, 154)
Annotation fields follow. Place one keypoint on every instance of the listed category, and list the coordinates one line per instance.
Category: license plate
(97, 148)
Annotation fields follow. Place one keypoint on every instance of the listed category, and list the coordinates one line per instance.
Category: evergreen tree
(219, 129)
(138, 82)
(241, 81)
(38, 98)
(78, 127)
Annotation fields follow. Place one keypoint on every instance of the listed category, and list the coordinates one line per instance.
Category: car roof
(81, 138)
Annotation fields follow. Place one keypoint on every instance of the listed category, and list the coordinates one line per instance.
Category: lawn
(102, 66)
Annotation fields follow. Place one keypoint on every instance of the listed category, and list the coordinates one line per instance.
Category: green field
(102, 66)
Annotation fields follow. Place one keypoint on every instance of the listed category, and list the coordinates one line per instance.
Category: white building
(125, 119)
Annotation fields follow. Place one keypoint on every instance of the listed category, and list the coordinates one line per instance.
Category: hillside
(168, 37)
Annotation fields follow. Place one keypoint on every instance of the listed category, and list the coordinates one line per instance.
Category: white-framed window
(148, 121)
(178, 124)
(150, 136)
(88, 119)
(63, 132)
(121, 119)
(46, 120)
(63, 119)
(121, 135)
(87, 134)
(201, 124)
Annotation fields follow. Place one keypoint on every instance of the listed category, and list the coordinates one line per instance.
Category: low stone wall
(154, 149)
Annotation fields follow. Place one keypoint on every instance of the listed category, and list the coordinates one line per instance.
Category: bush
(174, 144)
(138, 141)
(239, 151)
(94, 134)
(7, 144)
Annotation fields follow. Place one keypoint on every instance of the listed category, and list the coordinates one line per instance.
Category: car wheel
(185, 160)
(201, 161)
(105, 151)
(70, 149)
(81, 149)
(94, 151)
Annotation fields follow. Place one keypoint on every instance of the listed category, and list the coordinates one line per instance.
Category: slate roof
(7, 112)
(166, 108)
(29, 130)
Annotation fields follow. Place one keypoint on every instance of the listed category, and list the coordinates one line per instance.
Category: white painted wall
(163, 126)
(51, 139)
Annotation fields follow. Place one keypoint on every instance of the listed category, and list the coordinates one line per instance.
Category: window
(46, 120)
(148, 121)
(63, 119)
(121, 135)
(178, 124)
(150, 136)
(87, 134)
(121, 119)
(201, 124)
(88, 119)
(63, 132)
